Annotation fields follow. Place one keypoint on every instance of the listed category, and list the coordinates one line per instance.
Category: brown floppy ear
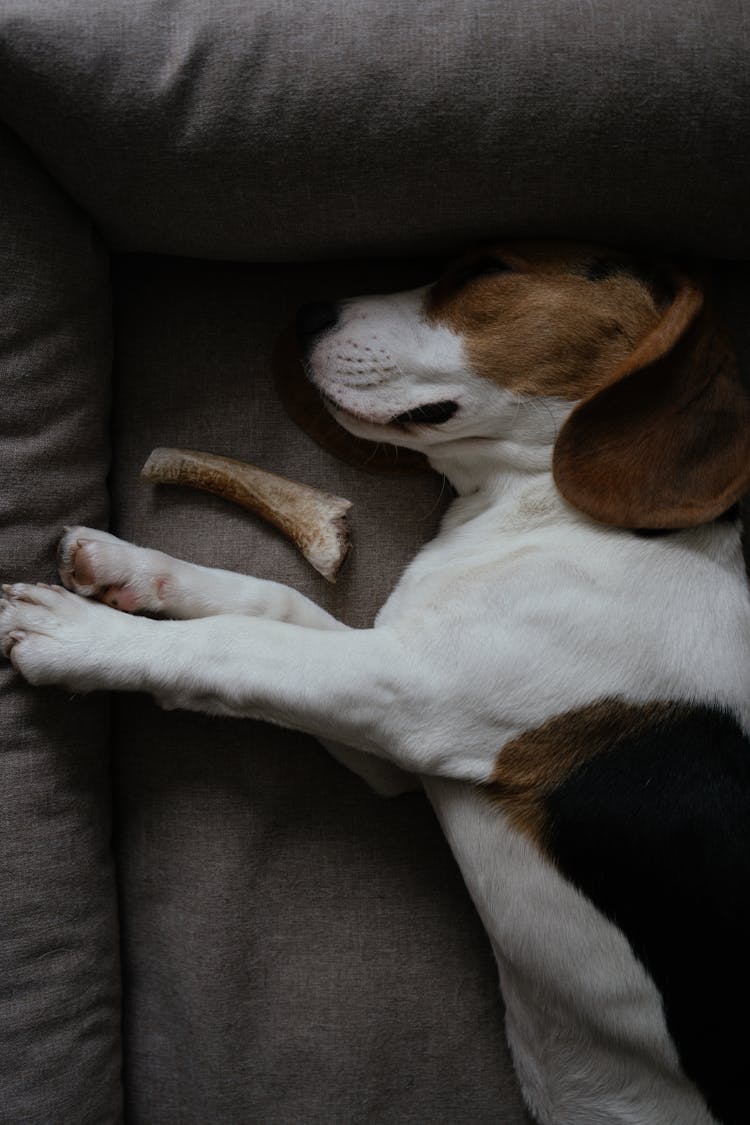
(666, 442)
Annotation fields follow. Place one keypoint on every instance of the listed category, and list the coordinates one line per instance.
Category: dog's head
(652, 423)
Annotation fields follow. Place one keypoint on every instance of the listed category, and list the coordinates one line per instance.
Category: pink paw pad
(132, 598)
(125, 598)
(82, 565)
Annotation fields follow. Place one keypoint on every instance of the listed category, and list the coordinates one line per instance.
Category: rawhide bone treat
(315, 521)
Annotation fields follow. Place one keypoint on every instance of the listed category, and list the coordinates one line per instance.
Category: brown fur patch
(532, 766)
(544, 327)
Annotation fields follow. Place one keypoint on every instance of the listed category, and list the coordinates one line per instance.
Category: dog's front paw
(97, 565)
(52, 636)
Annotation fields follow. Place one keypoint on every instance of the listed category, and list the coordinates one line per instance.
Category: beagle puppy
(565, 667)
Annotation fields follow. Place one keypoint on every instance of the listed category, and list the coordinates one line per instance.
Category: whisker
(443, 481)
(541, 405)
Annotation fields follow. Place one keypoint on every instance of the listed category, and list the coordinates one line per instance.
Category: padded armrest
(269, 131)
(59, 969)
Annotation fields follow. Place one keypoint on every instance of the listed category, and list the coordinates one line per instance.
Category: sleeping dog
(565, 667)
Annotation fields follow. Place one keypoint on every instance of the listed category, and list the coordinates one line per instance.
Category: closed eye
(484, 266)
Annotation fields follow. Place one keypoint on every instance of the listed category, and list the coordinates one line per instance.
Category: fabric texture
(59, 956)
(295, 948)
(271, 131)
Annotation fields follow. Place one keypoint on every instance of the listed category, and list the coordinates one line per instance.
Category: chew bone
(315, 521)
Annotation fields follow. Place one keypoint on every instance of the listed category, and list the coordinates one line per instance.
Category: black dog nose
(316, 316)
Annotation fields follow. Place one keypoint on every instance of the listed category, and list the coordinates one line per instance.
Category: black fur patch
(655, 277)
(485, 265)
(602, 268)
(656, 832)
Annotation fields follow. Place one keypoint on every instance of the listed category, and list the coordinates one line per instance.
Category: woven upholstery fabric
(59, 960)
(295, 948)
(270, 131)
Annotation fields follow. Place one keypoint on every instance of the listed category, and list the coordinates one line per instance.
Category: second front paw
(98, 565)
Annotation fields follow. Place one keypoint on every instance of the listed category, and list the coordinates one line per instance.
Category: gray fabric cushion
(295, 948)
(281, 131)
(59, 969)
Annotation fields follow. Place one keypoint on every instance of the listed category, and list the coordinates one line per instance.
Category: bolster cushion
(59, 966)
(270, 131)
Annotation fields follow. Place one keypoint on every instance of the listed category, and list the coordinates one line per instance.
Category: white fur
(384, 358)
(520, 609)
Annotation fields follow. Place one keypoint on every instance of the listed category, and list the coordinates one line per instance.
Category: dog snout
(314, 318)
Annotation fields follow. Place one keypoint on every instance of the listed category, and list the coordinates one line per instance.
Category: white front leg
(347, 687)
(139, 579)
